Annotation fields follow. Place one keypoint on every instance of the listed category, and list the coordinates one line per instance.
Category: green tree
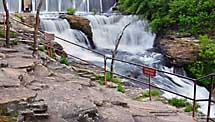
(186, 16)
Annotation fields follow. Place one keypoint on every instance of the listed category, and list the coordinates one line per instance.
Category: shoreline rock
(82, 24)
(178, 51)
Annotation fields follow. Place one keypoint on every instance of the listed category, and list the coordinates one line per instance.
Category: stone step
(39, 111)
(7, 50)
(42, 116)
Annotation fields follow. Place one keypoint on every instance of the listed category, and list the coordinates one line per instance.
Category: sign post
(151, 72)
(49, 37)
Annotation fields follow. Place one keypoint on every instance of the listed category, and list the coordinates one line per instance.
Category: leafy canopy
(186, 16)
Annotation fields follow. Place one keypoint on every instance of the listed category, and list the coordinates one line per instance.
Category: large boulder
(82, 24)
(179, 51)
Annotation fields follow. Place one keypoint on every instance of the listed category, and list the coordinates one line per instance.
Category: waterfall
(61, 28)
(107, 29)
(136, 41)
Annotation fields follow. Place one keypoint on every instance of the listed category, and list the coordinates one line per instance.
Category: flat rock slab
(9, 77)
(21, 62)
(15, 94)
(7, 50)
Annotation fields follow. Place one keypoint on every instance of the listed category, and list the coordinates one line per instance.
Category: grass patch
(116, 80)
(121, 88)
(18, 16)
(183, 103)
(64, 60)
(154, 92)
(41, 48)
(179, 103)
(12, 34)
(110, 78)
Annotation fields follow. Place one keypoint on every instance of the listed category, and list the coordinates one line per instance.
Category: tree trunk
(7, 23)
(36, 28)
(114, 53)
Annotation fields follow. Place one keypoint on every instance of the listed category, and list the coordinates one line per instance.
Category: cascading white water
(133, 47)
(106, 31)
(61, 28)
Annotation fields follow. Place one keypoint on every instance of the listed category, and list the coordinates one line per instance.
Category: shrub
(18, 16)
(108, 76)
(94, 10)
(41, 48)
(71, 11)
(12, 34)
(205, 61)
(121, 88)
(116, 80)
(64, 60)
(154, 92)
(179, 103)
(188, 108)
(191, 16)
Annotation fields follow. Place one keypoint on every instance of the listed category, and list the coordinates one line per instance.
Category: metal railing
(149, 84)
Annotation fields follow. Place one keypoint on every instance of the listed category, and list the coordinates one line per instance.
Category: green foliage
(206, 60)
(41, 48)
(71, 11)
(121, 88)
(183, 103)
(179, 103)
(109, 77)
(18, 16)
(94, 10)
(12, 34)
(116, 80)
(64, 60)
(190, 16)
(100, 79)
(154, 92)
(188, 108)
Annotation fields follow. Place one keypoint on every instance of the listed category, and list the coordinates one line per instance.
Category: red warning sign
(149, 71)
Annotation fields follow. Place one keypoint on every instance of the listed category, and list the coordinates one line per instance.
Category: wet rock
(179, 51)
(82, 24)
